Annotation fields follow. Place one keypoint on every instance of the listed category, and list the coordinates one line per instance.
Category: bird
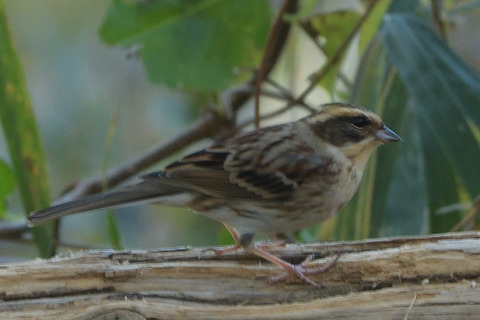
(274, 180)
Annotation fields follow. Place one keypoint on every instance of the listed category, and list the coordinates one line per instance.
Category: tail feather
(123, 197)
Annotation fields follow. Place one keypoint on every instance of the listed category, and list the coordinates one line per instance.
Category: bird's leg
(300, 270)
(232, 248)
(290, 269)
(276, 241)
(245, 241)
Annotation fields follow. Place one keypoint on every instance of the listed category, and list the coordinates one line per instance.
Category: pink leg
(300, 270)
(237, 244)
(233, 248)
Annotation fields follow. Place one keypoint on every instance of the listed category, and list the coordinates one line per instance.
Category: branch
(276, 40)
(13, 229)
(210, 126)
(439, 24)
(206, 127)
(316, 77)
(377, 279)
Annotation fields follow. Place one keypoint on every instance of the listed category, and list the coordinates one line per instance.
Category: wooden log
(395, 278)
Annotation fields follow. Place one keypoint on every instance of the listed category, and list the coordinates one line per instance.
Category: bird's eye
(360, 121)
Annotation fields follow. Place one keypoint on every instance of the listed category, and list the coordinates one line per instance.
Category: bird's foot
(221, 251)
(233, 248)
(302, 272)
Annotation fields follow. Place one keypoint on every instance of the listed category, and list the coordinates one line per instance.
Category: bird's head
(355, 131)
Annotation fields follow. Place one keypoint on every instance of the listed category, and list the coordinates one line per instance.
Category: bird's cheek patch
(337, 132)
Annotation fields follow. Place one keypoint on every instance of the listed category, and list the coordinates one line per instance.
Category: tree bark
(395, 278)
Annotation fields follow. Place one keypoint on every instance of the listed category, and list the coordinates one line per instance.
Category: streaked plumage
(276, 179)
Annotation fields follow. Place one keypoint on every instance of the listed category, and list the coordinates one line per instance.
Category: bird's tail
(123, 197)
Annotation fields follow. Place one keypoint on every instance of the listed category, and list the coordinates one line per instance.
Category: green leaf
(405, 211)
(113, 232)
(7, 185)
(22, 137)
(403, 6)
(112, 227)
(378, 88)
(446, 93)
(334, 27)
(370, 27)
(190, 44)
(441, 184)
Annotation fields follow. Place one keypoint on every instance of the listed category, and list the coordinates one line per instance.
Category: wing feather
(254, 166)
(203, 172)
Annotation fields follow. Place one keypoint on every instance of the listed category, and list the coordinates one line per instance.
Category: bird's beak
(387, 135)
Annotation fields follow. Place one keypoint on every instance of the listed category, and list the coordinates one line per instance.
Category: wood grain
(434, 276)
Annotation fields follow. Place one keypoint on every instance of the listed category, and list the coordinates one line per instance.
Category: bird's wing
(275, 163)
(202, 172)
(263, 165)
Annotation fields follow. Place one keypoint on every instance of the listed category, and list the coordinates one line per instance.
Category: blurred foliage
(205, 40)
(6, 187)
(23, 139)
(336, 25)
(445, 99)
(397, 64)
(421, 87)
(112, 226)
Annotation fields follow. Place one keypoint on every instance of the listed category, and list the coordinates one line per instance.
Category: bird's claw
(220, 251)
(301, 271)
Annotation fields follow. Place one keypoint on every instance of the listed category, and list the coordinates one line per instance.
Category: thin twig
(313, 35)
(437, 9)
(307, 27)
(410, 307)
(13, 230)
(282, 90)
(276, 95)
(209, 126)
(270, 115)
(469, 218)
(278, 30)
(212, 125)
(286, 95)
(316, 77)
(206, 127)
(344, 79)
(239, 96)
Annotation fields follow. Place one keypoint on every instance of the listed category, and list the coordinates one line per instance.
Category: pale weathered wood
(431, 276)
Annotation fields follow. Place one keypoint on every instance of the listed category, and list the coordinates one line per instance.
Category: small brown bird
(274, 180)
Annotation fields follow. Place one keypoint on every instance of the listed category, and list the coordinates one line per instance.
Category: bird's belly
(271, 218)
(313, 204)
